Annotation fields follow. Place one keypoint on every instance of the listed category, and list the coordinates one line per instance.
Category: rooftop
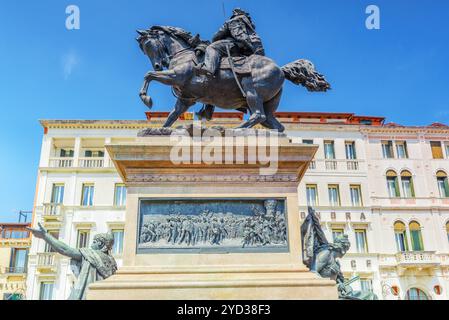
(230, 117)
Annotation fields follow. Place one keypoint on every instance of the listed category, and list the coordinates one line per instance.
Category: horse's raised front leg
(255, 104)
(181, 106)
(143, 94)
(167, 77)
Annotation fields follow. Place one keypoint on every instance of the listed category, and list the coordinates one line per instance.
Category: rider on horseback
(239, 35)
(259, 78)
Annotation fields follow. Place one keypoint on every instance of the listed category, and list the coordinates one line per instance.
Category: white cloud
(69, 62)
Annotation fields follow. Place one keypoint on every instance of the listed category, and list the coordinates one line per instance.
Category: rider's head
(238, 12)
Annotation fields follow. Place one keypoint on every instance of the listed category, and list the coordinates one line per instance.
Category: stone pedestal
(146, 167)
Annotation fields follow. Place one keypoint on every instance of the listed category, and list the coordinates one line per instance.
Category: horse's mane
(178, 32)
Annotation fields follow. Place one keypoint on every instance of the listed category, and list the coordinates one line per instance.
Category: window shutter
(446, 187)
(396, 187)
(437, 151)
(412, 187)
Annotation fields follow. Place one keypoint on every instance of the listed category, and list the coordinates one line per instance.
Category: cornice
(243, 178)
(124, 124)
(79, 170)
(417, 131)
(404, 130)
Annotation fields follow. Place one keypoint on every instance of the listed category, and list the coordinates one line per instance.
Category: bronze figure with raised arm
(88, 264)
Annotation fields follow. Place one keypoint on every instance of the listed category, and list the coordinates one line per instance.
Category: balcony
(84, 162)
(331, 165)
(351, 166)
(46, 262)
(79, 153)
(417, 258)
(14, 235)
(312, 165)
(53, 211)
(412, 261)
(60, 162)
(91, 162)
(13, 270)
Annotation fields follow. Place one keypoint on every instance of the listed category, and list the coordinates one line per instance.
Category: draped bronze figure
(322, 257)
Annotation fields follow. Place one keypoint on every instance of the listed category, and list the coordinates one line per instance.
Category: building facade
(15, 242)
(386, 186)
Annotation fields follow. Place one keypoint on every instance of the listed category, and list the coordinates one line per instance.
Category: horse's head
(153, 43)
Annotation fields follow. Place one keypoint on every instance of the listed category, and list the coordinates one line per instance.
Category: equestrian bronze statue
(243, 79)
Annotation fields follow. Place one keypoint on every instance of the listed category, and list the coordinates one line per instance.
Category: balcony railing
(81, 162)
(61, 162)
(46, 260)
(91, 162)
(52, 210)
(312, 165)
(337, 165)
(110, 163)
(13, 270)
(352, 165)
(417, 258)
(17, 270)
(331, 165)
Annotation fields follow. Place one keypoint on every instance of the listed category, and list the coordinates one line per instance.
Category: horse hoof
(147, 101)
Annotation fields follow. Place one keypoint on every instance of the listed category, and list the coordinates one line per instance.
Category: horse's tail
(303, 72)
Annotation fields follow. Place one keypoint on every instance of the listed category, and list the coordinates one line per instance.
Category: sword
(352, 280)
(231, 63)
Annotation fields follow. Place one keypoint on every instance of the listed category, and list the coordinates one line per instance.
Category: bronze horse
(174, 49)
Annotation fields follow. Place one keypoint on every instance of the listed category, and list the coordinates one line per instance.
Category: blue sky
(48, 72)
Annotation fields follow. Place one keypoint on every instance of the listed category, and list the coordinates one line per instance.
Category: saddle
(240, 64)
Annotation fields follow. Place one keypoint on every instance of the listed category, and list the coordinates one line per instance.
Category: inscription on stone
(212, 225)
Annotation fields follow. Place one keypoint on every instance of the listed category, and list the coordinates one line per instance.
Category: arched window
(415, 236)
(393, 185)
(416, 294)
(400, 234)
(443, 185)
(407, 184)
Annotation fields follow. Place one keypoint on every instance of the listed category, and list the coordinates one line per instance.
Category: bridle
(168, 56)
